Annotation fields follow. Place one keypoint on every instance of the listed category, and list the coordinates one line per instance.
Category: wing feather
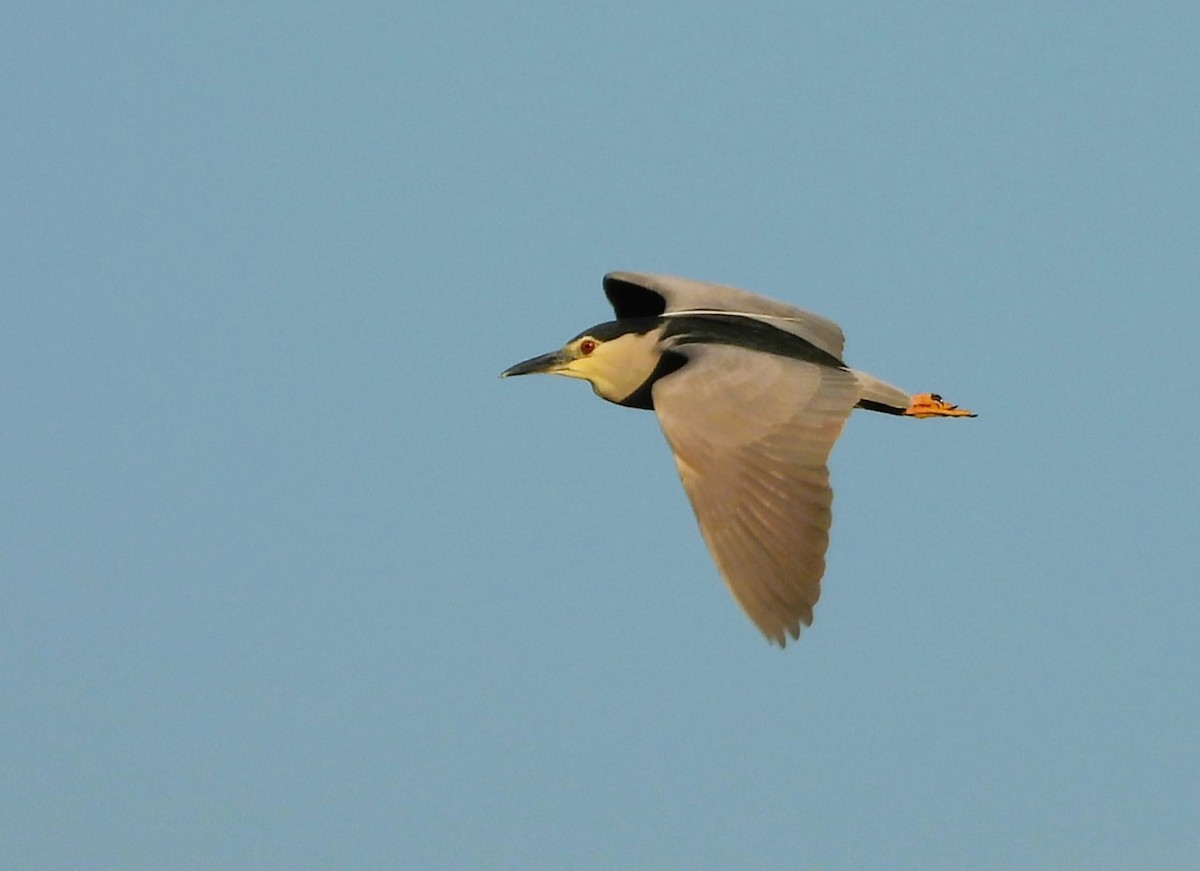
(751, 434)
(639, 294)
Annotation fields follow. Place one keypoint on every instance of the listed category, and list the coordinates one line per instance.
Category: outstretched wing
(638, 295)
(751, 433)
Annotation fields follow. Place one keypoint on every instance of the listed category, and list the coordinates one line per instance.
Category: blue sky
(291, 579)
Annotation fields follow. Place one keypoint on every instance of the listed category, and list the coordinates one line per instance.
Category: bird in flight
(751, 394)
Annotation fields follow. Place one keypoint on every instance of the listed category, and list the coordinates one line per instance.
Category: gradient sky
(290, 579)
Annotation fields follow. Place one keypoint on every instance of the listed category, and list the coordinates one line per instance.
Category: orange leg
(931, 405)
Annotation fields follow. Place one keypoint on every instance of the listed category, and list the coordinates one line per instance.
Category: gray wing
(751, 434)
(638, 294)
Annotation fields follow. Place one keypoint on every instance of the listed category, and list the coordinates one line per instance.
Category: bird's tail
(876, 395)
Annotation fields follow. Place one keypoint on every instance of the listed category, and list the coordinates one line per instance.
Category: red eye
(587, 346)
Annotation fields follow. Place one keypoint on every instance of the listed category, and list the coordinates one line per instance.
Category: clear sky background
(289, 579)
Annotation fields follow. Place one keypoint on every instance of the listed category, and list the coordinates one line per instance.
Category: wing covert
(638, 294)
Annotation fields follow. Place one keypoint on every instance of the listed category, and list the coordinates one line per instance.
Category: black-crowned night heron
(751, 394)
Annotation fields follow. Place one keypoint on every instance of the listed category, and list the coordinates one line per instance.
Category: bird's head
(616, 358)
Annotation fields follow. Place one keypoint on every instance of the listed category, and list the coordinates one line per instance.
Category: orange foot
(931, 405)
